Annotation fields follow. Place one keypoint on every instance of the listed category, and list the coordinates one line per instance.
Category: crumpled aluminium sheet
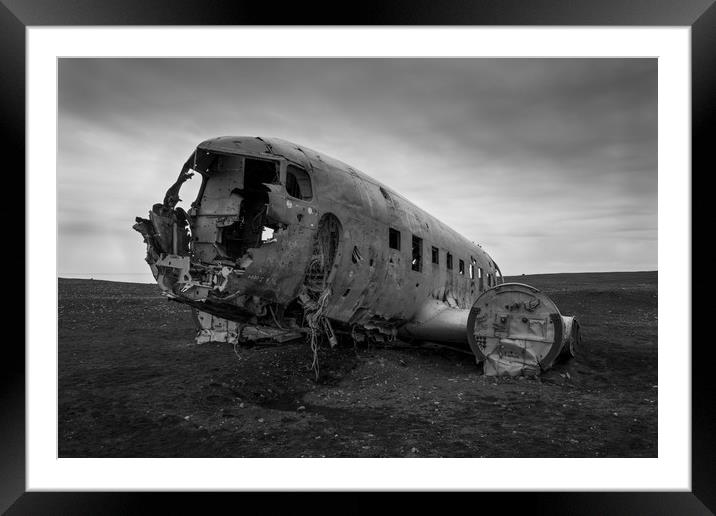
(511, 358)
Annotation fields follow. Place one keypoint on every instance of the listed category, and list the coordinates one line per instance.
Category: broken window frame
(448, 261)
(302, 183)
(461, 267)
(206, 164)
(416, 261)
(394, 238)
(435, 255)
(202, 164)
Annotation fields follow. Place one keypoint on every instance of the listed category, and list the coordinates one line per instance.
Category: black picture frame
(17, 15)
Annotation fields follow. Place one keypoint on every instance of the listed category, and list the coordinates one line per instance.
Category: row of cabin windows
(417, 258)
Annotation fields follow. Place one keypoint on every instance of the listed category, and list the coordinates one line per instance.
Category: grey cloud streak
(551, 164)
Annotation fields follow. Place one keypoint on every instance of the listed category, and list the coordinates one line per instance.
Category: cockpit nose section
(249, 232)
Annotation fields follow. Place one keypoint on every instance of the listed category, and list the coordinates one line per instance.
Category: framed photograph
(417, 253)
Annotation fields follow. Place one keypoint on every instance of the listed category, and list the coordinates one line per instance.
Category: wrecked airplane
(283, 242)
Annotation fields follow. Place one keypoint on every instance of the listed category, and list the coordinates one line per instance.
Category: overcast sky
(550, 164)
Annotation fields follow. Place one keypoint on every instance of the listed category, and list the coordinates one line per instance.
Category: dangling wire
(314, 317)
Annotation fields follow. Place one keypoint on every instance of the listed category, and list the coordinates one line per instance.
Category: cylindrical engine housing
(516, 329)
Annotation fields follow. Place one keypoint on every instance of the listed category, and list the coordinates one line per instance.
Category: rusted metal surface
(280, 234)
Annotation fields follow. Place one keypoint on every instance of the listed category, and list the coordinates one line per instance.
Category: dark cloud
(518, 154)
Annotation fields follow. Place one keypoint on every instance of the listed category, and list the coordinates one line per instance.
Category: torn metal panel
(212, 328)
(172, 269)
(171, 198)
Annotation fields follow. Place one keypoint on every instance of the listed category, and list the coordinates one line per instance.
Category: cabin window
(489, 280)
(394, 238)
(417, 262)
(472, 268)
(435, 255)
(480, 278)
(448, 261)
(298, 184)
(461, 267)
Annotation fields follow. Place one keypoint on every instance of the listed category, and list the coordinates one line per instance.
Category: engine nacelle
(516, 329)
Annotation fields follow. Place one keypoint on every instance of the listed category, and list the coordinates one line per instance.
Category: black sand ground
(133, 384)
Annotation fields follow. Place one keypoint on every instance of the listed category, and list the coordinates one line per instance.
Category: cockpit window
(226, 163)
(190, 191)
(259, 171)
(298, 184)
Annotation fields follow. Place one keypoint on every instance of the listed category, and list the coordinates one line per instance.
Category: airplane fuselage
(281, 236)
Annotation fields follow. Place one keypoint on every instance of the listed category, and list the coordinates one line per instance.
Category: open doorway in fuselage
(325, 255)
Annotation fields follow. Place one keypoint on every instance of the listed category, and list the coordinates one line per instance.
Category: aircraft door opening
(326, 253)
